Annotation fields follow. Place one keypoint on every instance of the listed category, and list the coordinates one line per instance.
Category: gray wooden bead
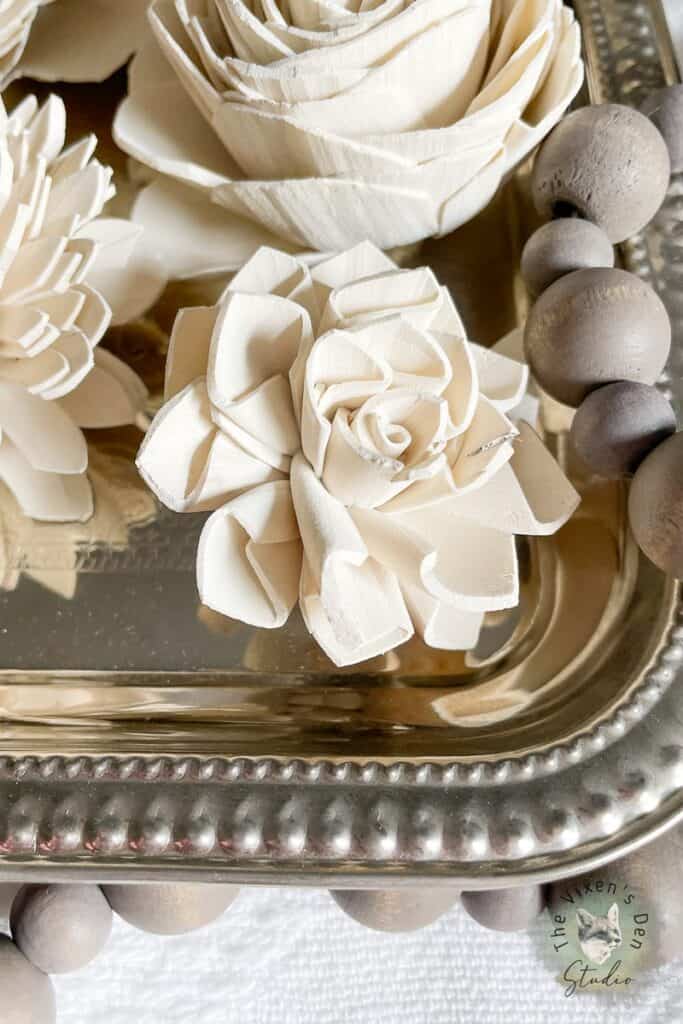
(505, 910)
(594, 327)
(665, 110)
(616, 426)
(655, 506)
(607, 162)
(60, 928)
(26, 994)
(560, 247)
(395, 910)
(168, 909)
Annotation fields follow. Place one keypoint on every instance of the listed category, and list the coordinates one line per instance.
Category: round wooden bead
(560, 247)
(60, 928)
(26, 994)
(505, 910)
(655, 506)
(609, 163)
(616, 426)
(594, 327)
(395, 910)
(170, 909)
(665, 110)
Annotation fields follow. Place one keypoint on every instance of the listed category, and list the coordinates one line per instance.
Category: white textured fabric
(289, 956)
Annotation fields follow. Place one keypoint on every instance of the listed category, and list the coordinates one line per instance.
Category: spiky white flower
(64, 273)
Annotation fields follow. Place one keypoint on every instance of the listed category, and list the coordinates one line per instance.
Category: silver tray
(141, 737)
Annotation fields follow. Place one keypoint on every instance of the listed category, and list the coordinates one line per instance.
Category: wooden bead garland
(594, 327)
(616, 426)
(560, 247)
(168, 909)
(655, 506)
(609, 164)
(597, 339)
(505, 910)
(60, 928)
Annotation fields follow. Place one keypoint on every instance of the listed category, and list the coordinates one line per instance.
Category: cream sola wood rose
(315, 124)
(68, 40)
(360, 454)
(65, 274)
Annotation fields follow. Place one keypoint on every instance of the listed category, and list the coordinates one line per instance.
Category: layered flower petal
(249, 557)
(71, 40)
(321, 124)
(350, 603)
(49, 496)
(207, 467)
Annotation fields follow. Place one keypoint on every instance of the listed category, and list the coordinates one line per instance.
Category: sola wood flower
(68, 40)
(64, 275)
(323, 123)
(358, 451)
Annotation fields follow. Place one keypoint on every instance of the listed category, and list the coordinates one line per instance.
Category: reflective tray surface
(141, 734)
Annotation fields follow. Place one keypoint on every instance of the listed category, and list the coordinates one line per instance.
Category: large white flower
(358, 452)
(68, 40)
(320, 123)
(65, 273)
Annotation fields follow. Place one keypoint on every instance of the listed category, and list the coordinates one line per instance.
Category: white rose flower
(315, 124)
(68, 40)
(357, 450)
(65, 274)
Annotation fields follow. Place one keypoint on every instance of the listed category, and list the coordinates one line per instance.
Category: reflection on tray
(53, 553)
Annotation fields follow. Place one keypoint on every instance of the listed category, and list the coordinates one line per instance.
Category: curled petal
(52, 497)
(107, 34)
(158, 125)
(42, 431)
(363, 260)
(415, 294)
(126, 269)
(188, 347)
(564, 79)
(484, 448)
(442, 625)
(256, 337)
(215, 240)
(474, 567)
(457, 562)
(271, 272)
(502, 380)
(111, 395)
(474, 457)
(249, 557)
(336, 373)
(189, 464)
(395, 439)
(266, 415)
(74, 348)
(350, 603)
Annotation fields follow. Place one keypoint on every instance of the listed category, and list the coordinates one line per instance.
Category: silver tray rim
(473, 825)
